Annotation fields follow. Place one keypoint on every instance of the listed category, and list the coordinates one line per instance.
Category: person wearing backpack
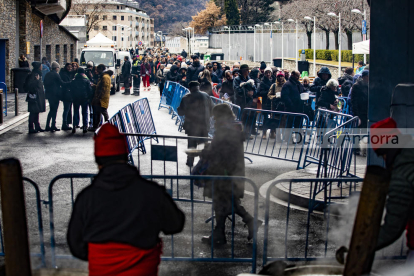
(81, 93)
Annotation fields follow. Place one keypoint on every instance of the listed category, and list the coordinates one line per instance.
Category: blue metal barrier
(190, 195)
(318, 232)
(287, 130)
(235, 108)
(180, 92)
(344, 101)
(324, 121)
(143, 116)
(168, 94)
(4, 86)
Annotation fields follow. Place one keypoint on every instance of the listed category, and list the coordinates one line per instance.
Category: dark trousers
(34, 120)
(98, 111)
(67, 113)
(76, 118)
(161, 86)
(136, 84)
(223, 208)
(53, 108)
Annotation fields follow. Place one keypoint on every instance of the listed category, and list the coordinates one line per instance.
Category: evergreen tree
(232, 12)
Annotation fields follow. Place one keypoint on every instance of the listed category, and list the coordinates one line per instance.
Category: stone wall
(29, 31)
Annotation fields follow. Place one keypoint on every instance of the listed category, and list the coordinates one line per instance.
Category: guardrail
(187, 195)
(308, 237)
(287, 130)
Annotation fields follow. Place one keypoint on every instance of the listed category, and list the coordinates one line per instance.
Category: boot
(127, 91)
(39, 129)
(66, 127)
(219, 237)
(85, 129)
(31, 131)
(74, 130)
(272, 134)
(54, 128)
(250, 226)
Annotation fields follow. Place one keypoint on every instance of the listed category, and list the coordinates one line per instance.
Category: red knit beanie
(109, 142)
(382, 132)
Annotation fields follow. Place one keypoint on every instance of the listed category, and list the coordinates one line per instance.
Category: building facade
(199, 44)
(76, 24)
(20, 34)
(176, 44)
(124, 23)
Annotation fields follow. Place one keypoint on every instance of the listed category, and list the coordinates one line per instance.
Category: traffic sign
(140, 43)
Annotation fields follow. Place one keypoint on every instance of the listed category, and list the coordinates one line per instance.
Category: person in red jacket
(116, 221)
(145, 74)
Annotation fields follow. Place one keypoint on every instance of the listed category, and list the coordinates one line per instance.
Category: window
(65, 54)
(104, 28)
(96, 28)
(113, 28)
(96, 17)
(114, 38)
(57, 54)
(122, 17)
(105, 17)
(117, 7)
(37, 52)
(122, 38)
(114, 17)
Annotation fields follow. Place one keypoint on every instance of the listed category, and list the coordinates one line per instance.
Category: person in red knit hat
(397, 150)
(116, 221)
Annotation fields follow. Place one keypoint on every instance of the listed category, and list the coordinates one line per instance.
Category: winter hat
(365, 73)
(110, 145)
(244, 66)
(262, 65)
(280, 73)
(268, 69)
(169, 66)
(183, 66)
(36, 65)
(236, 70)
(90, 63)
(180, 58)
(55, 65)
(382, 133)
(81, 70)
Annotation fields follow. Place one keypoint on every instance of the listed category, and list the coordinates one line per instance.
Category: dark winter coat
(81, 89)
(193, 71)
(172, 75)
(53, 85)
(23, 63)
(359, 101)
(184, 54)
(218, 73)
(263, 91)
(35, 94)
(225, 157)
(400, 202)
(318, 83)
(241, 97)
(346, 82)
(120, 206)
(253, 75)
(126, 69)
(291, 91)
(326, 98)
(227, 87)
(66, 77)
(196, 107)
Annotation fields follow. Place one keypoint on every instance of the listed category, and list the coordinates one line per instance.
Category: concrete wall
(291, 65)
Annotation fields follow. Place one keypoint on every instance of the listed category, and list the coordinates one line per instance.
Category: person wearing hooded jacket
(217, 71)
(35, 97)
(172, 74)
(320, 81)
(116, 221)
(82, 92)
(255, 76)
(181, 76)
(227, 86)
(328, 98)
(359, 99)
(194, 69)
(66, 76)
(346, 81)
(263, 90)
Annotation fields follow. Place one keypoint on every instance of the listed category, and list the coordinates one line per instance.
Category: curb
(16, 121)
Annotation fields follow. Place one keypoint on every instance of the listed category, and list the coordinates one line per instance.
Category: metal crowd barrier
(235, 108)
(188, 197)
(290, 132)
(167, 94)
(324, 121)
(344, 100)
(304, 236)
(136, 118)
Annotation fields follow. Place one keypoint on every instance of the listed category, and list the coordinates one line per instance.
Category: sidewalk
(11, 120)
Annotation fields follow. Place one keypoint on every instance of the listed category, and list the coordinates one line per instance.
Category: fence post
(16, 101)
(16, 241)
(1, 106)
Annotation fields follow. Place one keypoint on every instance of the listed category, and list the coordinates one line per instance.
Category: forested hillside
(168, 12)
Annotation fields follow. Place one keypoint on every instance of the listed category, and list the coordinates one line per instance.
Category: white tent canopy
(360, 47)
(100, 40)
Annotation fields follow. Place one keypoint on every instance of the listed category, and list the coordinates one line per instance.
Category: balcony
(136, 23)
(136, 33)
(48, 7)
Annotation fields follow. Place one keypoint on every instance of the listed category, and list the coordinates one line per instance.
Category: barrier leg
(13, 207)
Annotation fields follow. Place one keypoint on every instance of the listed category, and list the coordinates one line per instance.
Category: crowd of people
(77, 88)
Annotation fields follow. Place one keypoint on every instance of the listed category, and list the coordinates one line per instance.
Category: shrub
(346, 55)
(308, 53)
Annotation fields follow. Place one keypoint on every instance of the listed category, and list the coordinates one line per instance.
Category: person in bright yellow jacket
(100, 101)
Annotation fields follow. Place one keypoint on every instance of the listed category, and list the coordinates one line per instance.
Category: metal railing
(186, 193)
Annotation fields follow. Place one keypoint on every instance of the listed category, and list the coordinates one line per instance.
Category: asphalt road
(45, 155)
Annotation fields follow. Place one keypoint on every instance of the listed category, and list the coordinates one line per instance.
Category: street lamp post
(225, 27)
(296, 42)
(245, 38)
(364, 36)
(255, 26)
(265, 24)
(314, 43)
(339, 40)
(282, 43)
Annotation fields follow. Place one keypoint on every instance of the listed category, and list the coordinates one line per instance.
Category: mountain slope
(167, 12)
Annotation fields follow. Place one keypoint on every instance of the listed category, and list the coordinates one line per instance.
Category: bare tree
(176, 29)
(93, 9)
